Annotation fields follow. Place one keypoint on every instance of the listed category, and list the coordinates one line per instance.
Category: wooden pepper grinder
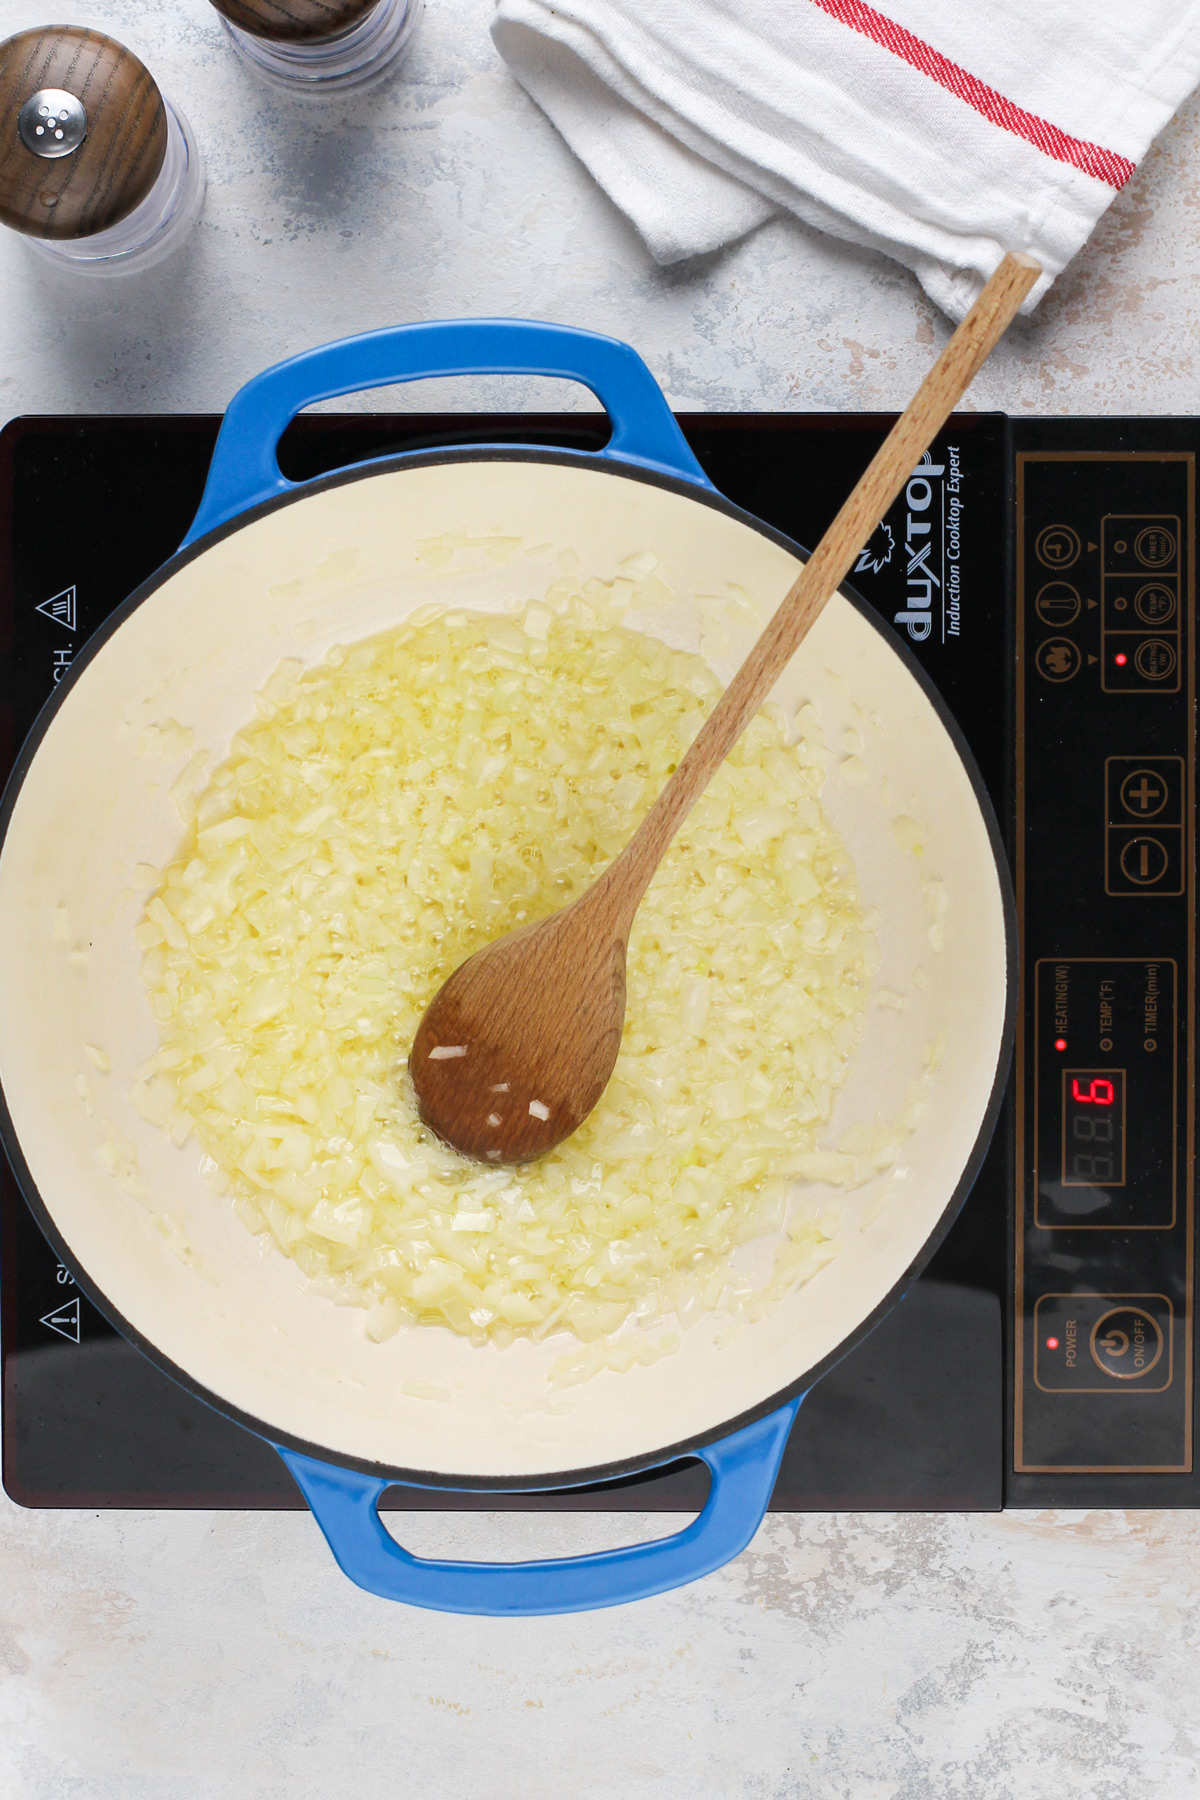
(320, 47)
(98, 169)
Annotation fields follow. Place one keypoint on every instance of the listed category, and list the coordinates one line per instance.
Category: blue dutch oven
(273, 568)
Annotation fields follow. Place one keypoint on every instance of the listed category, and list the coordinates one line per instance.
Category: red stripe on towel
(1093, 159)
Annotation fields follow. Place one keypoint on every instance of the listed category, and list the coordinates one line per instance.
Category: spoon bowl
(493, 1077)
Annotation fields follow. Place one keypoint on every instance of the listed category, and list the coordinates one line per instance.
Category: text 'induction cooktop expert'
(1043, 571)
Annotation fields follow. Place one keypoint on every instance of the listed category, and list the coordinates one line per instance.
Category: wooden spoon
(517, 1047)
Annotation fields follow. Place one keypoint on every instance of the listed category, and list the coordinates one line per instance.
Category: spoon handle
(621, 887)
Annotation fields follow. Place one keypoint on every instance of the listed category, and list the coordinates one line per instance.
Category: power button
(1102, 1343)
(1126, 1343)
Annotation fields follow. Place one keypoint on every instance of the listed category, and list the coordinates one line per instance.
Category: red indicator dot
(1052, 1343)
(1120, 659)
(1060, 1043)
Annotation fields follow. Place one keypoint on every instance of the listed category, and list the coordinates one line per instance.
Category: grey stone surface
(447, 192)
(995, 1657)
(222, 1657)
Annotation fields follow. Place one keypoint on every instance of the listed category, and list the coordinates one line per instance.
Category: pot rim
(669, 1453)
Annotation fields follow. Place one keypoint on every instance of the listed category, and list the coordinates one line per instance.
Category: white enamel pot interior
(179, 1274)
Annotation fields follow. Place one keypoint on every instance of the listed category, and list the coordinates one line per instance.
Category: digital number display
(1093, 1140)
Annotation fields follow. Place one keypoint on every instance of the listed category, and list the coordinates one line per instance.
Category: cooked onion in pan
(394, 808)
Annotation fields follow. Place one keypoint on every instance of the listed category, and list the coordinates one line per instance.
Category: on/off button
(1102, 1343)
(1126, 1343)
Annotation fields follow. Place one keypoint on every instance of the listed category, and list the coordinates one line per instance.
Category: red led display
(1100, 1092)
(1093, 1128)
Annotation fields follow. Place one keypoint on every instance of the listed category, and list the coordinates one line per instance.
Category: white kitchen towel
(941, 131)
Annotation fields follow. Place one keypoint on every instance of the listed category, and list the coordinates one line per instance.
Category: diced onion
(392, 809)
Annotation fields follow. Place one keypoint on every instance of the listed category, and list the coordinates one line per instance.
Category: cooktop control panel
(1104, 867)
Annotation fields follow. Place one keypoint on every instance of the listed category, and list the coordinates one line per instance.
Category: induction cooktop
(1043, 571)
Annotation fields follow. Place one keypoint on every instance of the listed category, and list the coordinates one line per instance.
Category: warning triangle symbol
(60, 608)
(65, 1320)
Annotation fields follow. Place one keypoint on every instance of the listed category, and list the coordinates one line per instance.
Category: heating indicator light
(1060, 1043)
(1120, 659)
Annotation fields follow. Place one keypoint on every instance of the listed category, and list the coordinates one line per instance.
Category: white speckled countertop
(182, 1656)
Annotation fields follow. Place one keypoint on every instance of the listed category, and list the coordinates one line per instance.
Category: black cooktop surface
(1016, 563)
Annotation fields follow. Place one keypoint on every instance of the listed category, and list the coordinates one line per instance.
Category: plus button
(1144, 793)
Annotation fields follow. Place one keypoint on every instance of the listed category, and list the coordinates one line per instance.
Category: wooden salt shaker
(98, 170)
(320, 47)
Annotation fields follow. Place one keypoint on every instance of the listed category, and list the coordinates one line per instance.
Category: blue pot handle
(244, 469)
(743, 1469)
